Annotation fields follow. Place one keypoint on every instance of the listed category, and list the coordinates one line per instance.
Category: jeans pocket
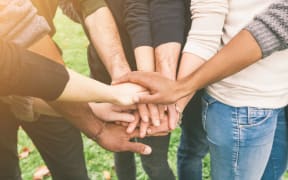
(253, 116)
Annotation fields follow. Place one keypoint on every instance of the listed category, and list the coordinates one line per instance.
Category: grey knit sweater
(270, 28)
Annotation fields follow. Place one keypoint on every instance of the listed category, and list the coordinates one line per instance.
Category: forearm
(189, 64)
(239, 53)
(84, 89)
(80, 115)
(167, 56)
(144, 56)
(105, 38)
(203, 39)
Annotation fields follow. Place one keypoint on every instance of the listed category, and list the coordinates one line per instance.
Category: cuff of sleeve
(141, 38)
(197, 49)
(267, 41)
(90, 6)
(168, 32)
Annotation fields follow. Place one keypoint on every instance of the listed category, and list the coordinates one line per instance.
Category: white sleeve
(208, 18)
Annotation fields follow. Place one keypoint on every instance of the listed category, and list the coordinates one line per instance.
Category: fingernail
(157, 123)
(149, 131)
(145, 119)
(147, 150)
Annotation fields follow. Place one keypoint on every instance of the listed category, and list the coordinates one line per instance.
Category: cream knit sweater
(19, 22)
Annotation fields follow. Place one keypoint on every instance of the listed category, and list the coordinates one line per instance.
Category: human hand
(146, 111)
(110, 112)
(136, 123)
(124, 94)
(22, 108)
(165, 126)
(162, 90)
(170, 121)
(115, 138)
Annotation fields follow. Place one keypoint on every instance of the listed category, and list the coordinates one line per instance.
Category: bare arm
(109, 136)
(239, 53)
(106, 40)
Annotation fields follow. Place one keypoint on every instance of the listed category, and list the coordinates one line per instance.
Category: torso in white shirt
(263, 84)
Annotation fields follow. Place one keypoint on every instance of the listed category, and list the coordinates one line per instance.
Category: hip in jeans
(240, 139)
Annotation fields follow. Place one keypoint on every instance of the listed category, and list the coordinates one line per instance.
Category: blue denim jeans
(279, 155)
(193, 143)
(240, 139)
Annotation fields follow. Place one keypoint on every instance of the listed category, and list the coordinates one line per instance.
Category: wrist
(93, 129)
(112, 94)
(99, 131)
(167, 70)
(182, 89)
(119, 71)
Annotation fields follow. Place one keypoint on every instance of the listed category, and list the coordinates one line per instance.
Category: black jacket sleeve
(138, 22)
(27, 74)
(154, 22)
(168, 21)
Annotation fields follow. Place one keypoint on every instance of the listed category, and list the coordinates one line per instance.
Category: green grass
(71, 39)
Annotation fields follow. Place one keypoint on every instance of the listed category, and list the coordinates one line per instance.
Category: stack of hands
(134, 112)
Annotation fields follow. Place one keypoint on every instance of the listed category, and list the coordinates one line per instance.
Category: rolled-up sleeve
(168, 21)
(208, 18)
(90, 6)
(270, 28)
(27, 74)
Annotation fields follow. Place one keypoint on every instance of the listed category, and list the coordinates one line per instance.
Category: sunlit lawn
(71, 39)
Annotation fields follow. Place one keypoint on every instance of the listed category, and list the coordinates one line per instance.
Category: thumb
(138, 148)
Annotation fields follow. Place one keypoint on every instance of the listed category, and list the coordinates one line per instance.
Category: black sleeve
(27, 74)
(138, 22)
(168, 21)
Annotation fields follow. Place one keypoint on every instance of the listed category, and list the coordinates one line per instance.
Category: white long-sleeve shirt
(263, 84)
(205, 33)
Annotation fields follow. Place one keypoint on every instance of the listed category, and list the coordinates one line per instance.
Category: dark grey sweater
(270, 28)
(153, 22)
